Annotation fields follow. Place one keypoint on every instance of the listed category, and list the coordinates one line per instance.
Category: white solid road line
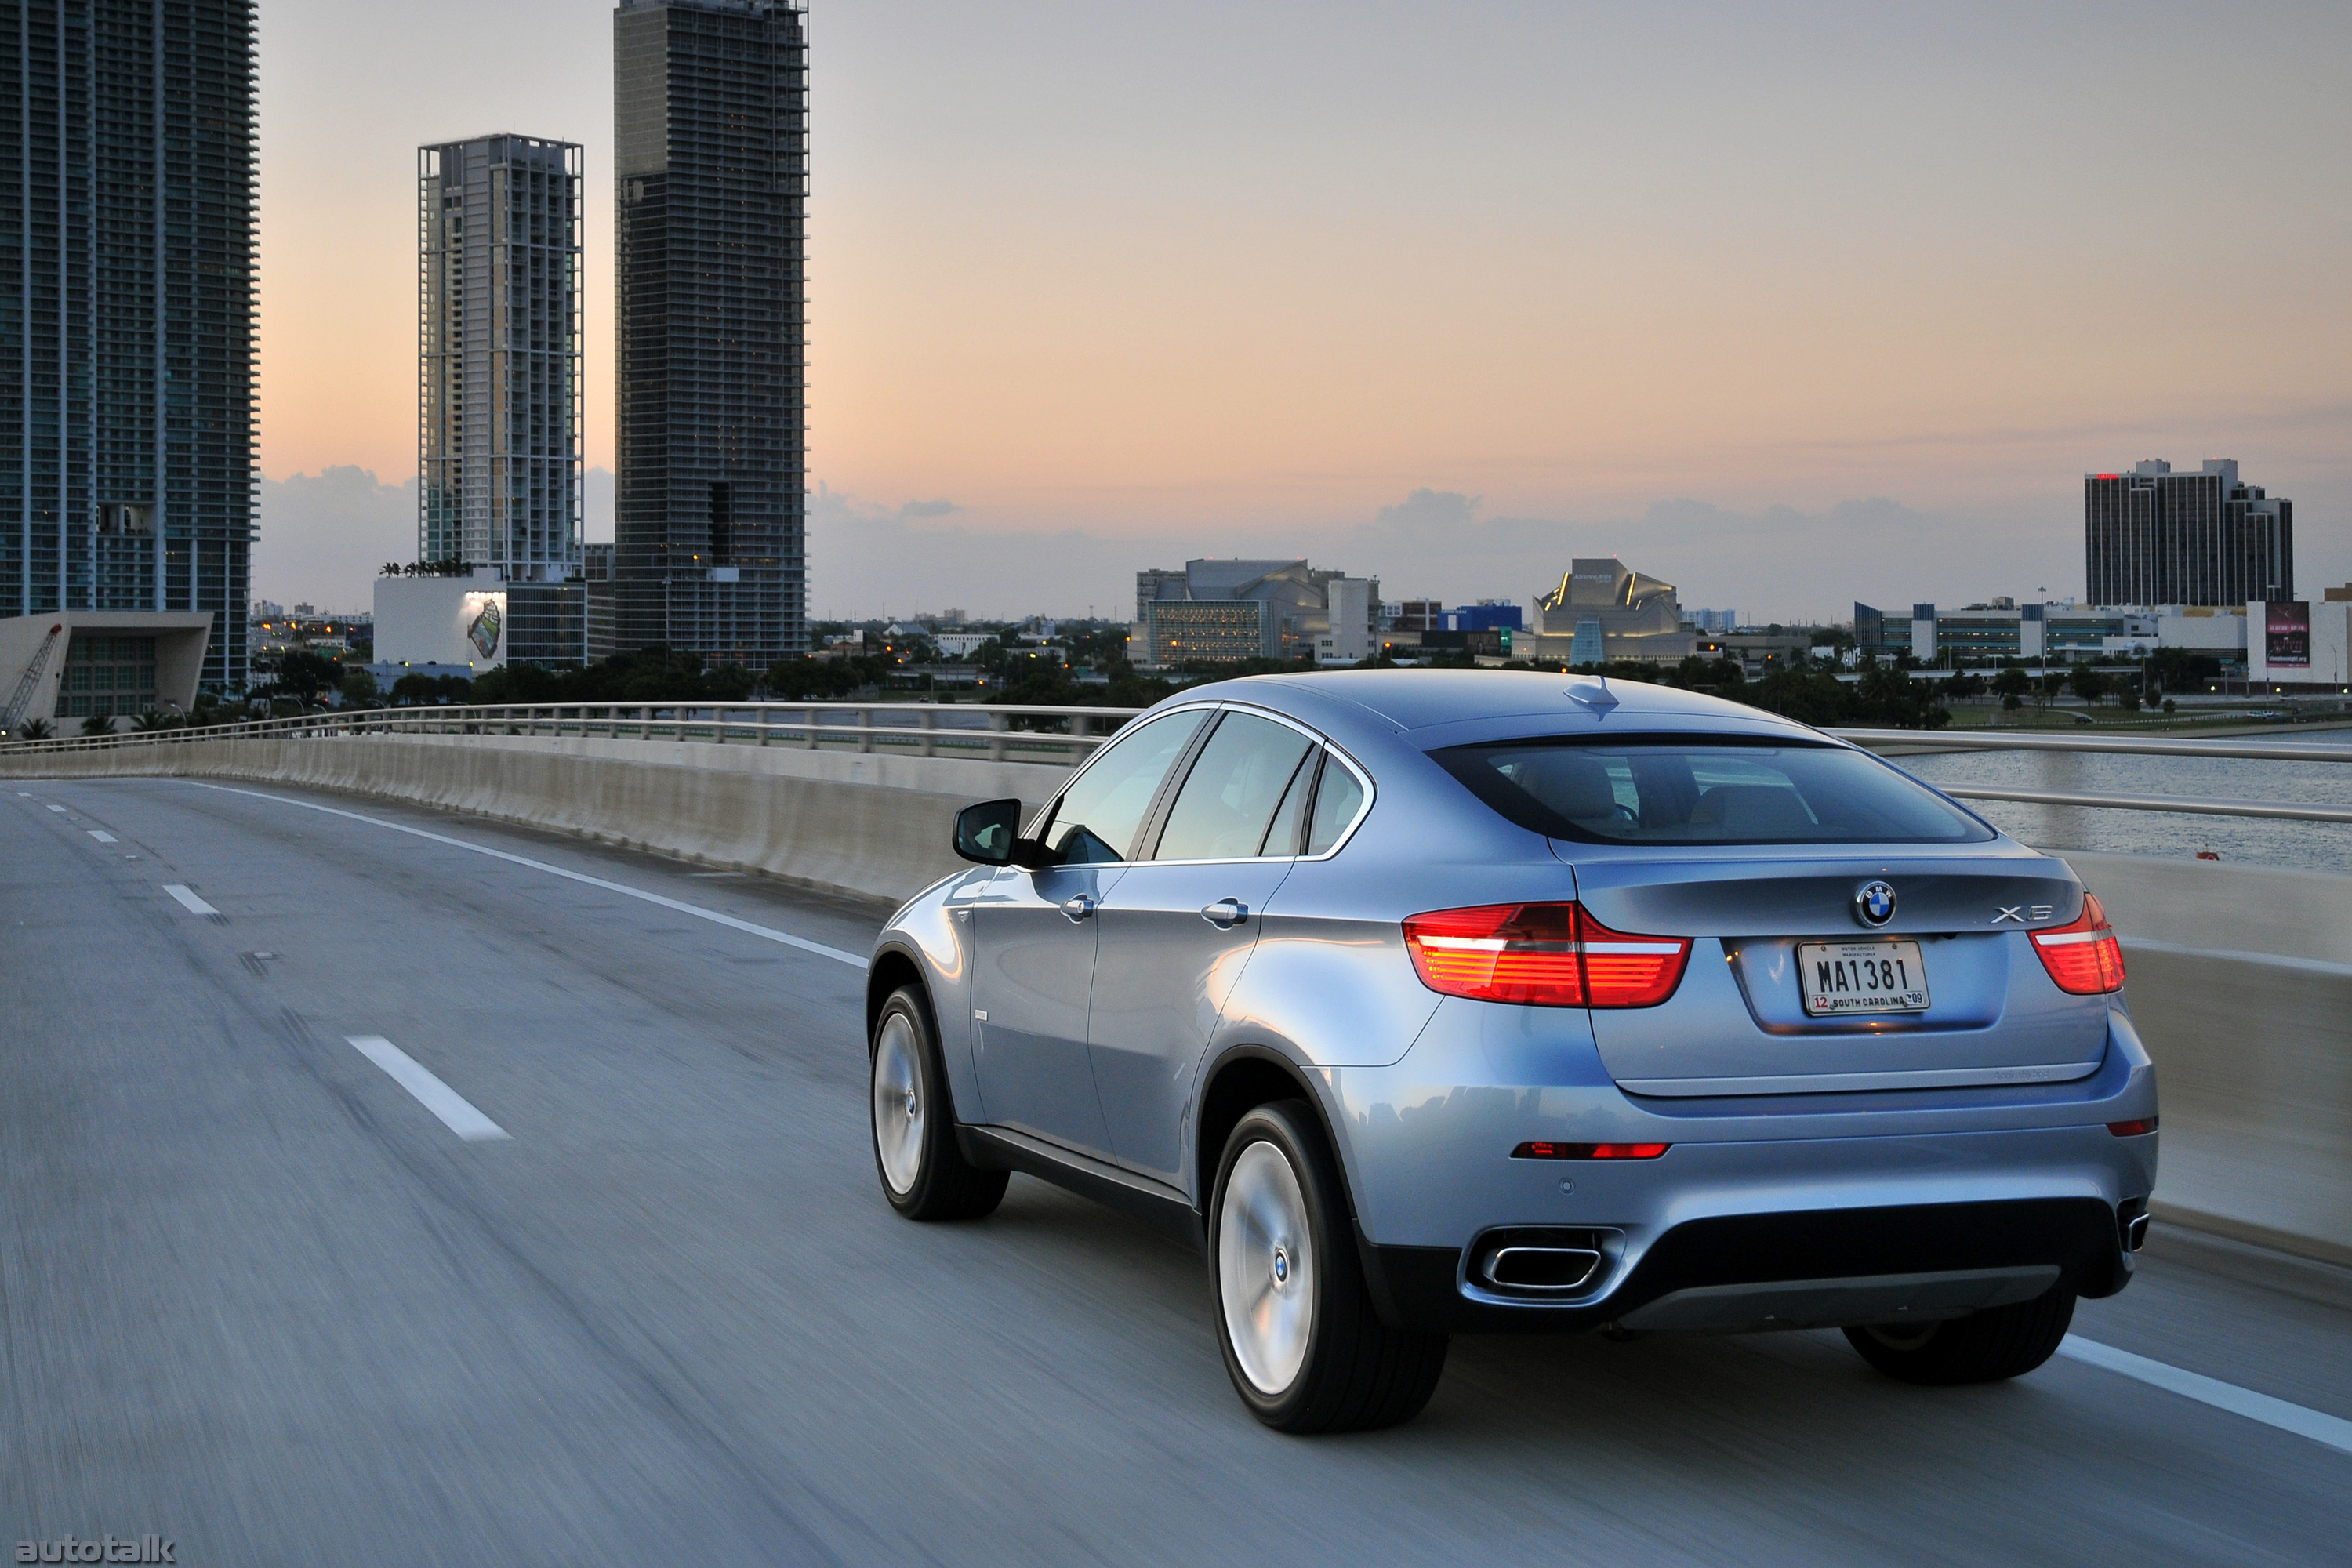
(188, 900)
(455, 1110)
(750, 926)
(101, 835)
(2330, 1430)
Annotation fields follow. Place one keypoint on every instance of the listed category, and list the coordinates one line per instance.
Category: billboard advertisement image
(2287, 634)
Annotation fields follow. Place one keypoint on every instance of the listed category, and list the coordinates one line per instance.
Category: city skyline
(1846, 260)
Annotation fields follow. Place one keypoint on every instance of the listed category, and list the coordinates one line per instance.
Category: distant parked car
(1431, 1002)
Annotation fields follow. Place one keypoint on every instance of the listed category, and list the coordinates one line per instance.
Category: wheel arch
(892, 968)
(1241, 1080)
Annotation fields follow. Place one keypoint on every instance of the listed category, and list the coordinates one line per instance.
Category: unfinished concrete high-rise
(127, 302)
(710, 151)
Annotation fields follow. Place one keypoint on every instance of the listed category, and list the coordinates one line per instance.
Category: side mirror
(989, 832)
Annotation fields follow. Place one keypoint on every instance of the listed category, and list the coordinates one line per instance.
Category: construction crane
(22, 698)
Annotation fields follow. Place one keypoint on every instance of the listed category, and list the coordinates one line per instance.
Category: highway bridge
(449, 1146)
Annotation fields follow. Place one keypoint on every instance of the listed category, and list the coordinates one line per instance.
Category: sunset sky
(1788, 305)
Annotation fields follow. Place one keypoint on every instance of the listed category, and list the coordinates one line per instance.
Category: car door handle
(1078, 906)
(1225, 912)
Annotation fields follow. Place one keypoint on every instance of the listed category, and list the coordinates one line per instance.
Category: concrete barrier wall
(874, 825)
(2241, 977)
(2240, 982)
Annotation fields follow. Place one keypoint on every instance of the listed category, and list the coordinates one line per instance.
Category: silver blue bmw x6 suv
(1431, 1002)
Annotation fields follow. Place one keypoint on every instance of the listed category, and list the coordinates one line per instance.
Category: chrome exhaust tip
(1559, 1269)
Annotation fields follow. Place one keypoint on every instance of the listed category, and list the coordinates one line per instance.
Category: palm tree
(35, 730)
(97, 724)
(147, 723)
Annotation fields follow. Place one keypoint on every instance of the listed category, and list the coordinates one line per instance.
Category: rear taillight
(1546, 955)
(2083, 956)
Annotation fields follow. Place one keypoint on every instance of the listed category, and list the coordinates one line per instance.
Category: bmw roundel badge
(1873, 903)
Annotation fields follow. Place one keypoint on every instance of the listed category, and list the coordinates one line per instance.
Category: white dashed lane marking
(56, 808)
(100, 834)
(455, 1110)
(188, 900)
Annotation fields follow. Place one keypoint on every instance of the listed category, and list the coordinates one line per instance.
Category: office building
(1225, 611)
(127, 349)
(2155, 537)
(710, 149)
(1432, 615)
(1987, 635)
(497, 331)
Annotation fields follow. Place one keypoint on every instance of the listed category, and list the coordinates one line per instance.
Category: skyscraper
(498, 357)
(2155, 537)
(127, 296)
(710, 132)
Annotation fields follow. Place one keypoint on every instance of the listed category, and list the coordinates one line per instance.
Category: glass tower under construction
(127, 300)
(498, 357)
(710, 132)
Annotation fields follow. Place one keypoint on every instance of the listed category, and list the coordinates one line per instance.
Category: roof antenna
(1594, 694)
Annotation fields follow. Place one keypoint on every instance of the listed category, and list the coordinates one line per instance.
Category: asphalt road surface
(647, 1306)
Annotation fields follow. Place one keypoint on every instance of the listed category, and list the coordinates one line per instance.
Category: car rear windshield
(1662, 790)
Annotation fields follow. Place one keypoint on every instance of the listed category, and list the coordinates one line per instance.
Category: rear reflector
(2083, 956)
(1544, 955)
(2132, 1129)
(1590, 1151)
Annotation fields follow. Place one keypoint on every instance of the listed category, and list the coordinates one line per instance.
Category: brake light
(1546, 955)
(2083, 956)
(1590, 1151)
(2139, 1129)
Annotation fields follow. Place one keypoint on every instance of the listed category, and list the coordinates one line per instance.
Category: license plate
(1840, 977)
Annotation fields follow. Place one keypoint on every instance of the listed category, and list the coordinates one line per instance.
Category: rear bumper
(1780, 1209)
(1797, 1268)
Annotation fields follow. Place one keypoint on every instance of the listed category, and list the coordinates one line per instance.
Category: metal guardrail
(2128, 745)
(996, 731)
(1016, 732)
(1913, 741)
(2276, 810)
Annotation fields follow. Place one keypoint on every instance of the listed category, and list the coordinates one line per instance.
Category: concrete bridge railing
(2241, 977)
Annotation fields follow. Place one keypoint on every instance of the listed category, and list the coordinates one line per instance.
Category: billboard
(2286, 634)
(459, 621)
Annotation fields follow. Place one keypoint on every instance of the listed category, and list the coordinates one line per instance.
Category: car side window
(1337, 797)
(1228, 800)
(1290, 817)
(1097, 820)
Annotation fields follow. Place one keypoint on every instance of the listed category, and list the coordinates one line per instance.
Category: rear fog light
(1590, 1151)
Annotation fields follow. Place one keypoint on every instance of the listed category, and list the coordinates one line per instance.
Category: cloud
(1429, 511)
(323, 536)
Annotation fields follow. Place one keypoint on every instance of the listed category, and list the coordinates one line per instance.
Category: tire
(924, 1173)
(1984, 1347)
(1302, 1344)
